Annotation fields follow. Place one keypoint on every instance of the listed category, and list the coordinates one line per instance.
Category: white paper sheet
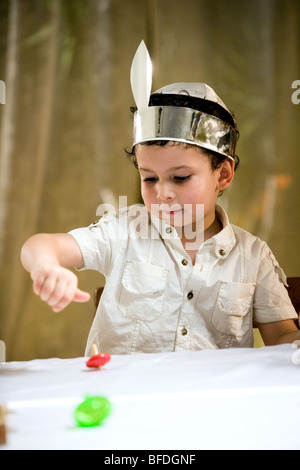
(216, 399)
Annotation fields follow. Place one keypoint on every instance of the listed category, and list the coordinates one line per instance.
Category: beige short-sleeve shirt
(155, 299)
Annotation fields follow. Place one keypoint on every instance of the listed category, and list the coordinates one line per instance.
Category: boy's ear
(226, 174)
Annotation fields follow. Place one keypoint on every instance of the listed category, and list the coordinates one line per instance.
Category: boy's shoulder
(258, 250)
(239, 234)
(251, 243)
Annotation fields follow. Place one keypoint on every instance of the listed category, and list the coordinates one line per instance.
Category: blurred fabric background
(66, 121)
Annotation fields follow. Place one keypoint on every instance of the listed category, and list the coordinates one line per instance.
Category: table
(214, 399)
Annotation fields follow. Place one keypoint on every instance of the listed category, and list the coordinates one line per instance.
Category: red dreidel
(98, 360)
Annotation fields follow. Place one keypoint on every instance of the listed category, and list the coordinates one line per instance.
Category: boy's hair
(186, 101)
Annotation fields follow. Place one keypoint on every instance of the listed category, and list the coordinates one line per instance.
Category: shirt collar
(225, 240)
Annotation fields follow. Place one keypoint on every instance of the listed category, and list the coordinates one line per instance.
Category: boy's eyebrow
(183, 167)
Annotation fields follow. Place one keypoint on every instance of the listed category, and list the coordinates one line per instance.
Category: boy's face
(178, 183)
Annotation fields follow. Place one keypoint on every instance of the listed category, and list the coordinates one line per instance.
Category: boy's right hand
(57, 286)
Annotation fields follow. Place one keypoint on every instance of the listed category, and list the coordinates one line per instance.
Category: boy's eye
(151, 179)
(181, 179)
(177, 179)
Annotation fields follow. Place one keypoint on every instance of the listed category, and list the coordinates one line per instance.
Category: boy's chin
(173, 220)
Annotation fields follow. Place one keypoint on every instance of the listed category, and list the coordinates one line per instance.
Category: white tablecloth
(216, 399)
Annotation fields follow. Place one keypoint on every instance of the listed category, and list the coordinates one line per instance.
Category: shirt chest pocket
(142, 290)
(232, 312)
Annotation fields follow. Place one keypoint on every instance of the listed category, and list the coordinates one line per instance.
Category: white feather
(141, 76)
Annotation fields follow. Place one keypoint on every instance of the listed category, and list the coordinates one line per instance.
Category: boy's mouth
(172, 215)
(172, 212)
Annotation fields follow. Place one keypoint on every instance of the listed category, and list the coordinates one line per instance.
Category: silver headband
(173, 122)
(184, 125)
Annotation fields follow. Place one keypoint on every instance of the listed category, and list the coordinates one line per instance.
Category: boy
(178, 274)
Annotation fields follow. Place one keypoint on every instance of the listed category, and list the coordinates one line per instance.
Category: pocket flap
(235, 298)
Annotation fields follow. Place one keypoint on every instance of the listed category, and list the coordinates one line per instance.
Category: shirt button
(222, 252)
(169, 230)
(190, 295)
(184, 331)
(184, 262)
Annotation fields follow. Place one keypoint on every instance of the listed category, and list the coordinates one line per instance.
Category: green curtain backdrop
(66, 122)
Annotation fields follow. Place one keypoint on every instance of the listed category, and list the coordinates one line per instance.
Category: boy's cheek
(147, 196)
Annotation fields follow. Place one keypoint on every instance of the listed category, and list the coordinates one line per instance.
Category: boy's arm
(279, 332)
(46, 257)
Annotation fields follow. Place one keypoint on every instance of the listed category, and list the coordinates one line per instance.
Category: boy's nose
(164, 192)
